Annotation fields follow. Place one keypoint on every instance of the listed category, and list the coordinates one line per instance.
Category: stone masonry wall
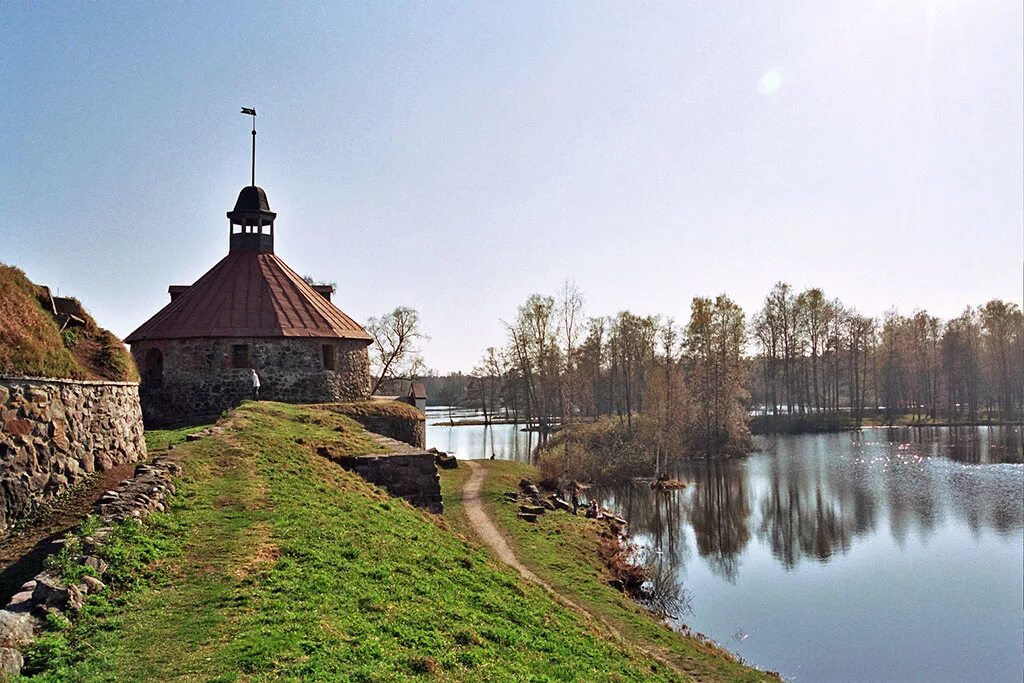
(198, 380)
(54, 433)
(412, 432)
(413, 476)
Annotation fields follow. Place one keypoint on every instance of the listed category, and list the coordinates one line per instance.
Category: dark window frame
(240, 356)
(329, 356)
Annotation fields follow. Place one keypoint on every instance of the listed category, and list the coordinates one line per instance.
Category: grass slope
(373, 409)
(32, 345)
(562, 549)
(275, 564)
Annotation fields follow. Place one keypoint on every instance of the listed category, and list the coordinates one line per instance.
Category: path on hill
(24, 549)
(490, 535)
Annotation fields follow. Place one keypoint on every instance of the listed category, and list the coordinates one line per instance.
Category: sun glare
(770, 81)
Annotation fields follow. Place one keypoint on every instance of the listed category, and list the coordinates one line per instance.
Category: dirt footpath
(23, 551)
(484, 527)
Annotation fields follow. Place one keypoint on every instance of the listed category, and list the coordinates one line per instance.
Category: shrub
(600, 452)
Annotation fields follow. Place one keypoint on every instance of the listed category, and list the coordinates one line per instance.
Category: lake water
(878, 555)
(476, 442)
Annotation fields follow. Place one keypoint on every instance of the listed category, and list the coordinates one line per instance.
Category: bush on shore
(601, 452)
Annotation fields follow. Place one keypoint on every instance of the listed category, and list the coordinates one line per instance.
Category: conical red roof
(249, 294)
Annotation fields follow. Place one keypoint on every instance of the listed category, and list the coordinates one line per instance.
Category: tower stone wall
(190, 379)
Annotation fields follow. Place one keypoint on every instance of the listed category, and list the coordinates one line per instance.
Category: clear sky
(455, 157)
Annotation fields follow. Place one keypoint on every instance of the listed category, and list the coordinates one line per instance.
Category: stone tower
(249, 311)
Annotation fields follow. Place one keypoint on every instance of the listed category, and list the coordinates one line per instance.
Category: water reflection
(809, 497)
(912, 536)
(477, 441)
(930, 519)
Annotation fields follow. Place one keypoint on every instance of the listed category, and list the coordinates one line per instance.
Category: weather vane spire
(252, 113)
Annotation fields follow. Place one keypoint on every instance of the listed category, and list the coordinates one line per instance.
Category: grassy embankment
(33, 345)
(275, 564)
(912, 420)
(370, 410)
(563, 550)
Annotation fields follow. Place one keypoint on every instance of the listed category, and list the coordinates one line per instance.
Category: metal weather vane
(252, 113)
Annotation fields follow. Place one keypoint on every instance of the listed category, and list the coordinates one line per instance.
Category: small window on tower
(240, 355)
(328, 353)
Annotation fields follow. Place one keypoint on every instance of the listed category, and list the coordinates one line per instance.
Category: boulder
(446, 462)
(527, 517)
(532, 509)
(50, 591)
(76, 598)
(93, 585)
(17, 628)
(21, 601)
(11, 662)
(560, 504)
(97, 563)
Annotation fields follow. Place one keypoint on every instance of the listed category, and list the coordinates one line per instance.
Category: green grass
(563, 550)
(161, 439)
(273, 564)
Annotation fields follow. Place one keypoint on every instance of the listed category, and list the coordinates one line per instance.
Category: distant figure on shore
(255, 384)
(593, 512)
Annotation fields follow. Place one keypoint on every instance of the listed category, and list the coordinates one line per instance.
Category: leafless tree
(395, 352)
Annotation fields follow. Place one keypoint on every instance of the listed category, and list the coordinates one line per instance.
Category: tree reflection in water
(719, 510)
(810, 497)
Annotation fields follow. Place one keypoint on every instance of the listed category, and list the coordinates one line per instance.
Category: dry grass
(372, 409)
(32, 345)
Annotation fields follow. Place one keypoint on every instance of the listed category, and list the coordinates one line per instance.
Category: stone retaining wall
(412, 477)
(26, 613)
(412, 432)
(55, 433)
(408, 473)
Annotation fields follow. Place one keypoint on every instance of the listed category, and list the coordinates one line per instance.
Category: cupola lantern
(252, 222)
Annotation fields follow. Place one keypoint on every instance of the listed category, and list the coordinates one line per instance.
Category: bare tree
(395, 350)
(570, 314)
(715, 337)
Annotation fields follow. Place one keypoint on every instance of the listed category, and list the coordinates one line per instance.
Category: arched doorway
(153, 372)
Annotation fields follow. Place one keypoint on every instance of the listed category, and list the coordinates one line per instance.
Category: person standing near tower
(255, 384)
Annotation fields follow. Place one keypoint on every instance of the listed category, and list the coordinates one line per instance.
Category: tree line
(813, 355)
(694, 386)
(686, 384)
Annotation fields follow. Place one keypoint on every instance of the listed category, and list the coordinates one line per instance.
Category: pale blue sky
(457, 157)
